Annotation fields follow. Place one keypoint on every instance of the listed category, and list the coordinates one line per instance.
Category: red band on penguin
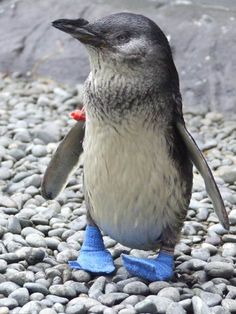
(78, 115)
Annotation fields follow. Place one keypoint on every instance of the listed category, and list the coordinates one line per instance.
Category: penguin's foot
(160, 268)
(93, 255)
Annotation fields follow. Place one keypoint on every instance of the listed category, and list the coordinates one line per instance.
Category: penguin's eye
(122, 38)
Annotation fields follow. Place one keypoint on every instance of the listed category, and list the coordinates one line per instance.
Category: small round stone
(113, 298)
(219, 269)
(47, 311)
(229, 305)
(8, 302)
(175, 308)
(146, 306)
(35, 240)
(136, 287)
(170, 293)
(200, 307)
(39, 151)
(21, 295)
(31, 307)
(201, 254)
(4, 310)
(63, 291)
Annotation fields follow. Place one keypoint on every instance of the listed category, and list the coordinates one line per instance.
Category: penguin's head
(122, 38)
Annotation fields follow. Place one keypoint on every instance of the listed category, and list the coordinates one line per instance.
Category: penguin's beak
(80, 30)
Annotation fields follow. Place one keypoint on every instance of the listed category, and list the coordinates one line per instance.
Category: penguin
(138, 154)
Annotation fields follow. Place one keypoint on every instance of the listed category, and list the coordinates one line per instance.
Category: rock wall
(202, 34)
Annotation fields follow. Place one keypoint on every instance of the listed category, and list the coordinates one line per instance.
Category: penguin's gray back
(135, 188)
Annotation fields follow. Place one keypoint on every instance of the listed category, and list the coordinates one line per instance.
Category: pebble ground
(38, 237)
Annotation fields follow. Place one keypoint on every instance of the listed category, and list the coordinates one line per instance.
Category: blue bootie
(93, 255)
(160, 268)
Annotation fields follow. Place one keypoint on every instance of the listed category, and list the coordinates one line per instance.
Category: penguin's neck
(117, 95)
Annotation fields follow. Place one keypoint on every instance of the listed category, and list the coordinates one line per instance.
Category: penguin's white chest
(129, 179)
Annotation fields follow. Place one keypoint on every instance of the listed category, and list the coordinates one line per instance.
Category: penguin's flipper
(200, 163)
(63, 162)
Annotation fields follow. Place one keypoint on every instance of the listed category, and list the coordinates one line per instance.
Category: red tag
(78, 115)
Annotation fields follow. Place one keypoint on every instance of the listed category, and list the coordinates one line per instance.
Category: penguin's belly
(132, 185)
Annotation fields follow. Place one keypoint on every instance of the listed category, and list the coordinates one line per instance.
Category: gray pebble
(97, 287)
(52, 243)
(36, 296)
(31, 307)
(127, 311)
(227, 173)
(8, 302)
(111, 287)
(21, 295)
(16, 153)
(211, 299)
(200, 307)
(67, 255)
(6, 201)
(3, 266)
(232, 217)
(211, 248)
(78, 286)
(56, 299)
(175, 308)
(47, 311)
(59, 308)
(39, 150)
(14, 225)
(219, 310)
(170, 293)
(146, 306)
(186, 304)
(161, 303)
(20, 277)
(76, 309)
(122, 283)
(22, 136)
(200, 253)
(86, 301)
(229, 238)
(35, 240)
(4, 310)
(35, 255)
(136, 287)
(218, 229)
(34, 180)
(182, 248)
(219, 269)
(5, 173)
(229, 249)
(229, 305)
(133, 299)
(48, 133)
(36, 287)
(63, 291)
(97, 309)
(113, 298)
(8, 287)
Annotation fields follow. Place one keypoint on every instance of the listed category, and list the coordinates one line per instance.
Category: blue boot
(160, 268)
(93, 255)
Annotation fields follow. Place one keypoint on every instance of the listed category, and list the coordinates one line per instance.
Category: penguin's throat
(115, 96)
